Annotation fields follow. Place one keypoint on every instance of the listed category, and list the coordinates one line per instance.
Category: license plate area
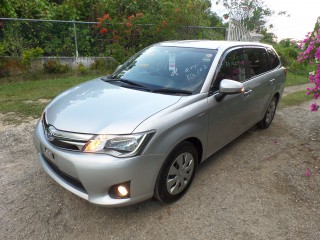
(48, 154)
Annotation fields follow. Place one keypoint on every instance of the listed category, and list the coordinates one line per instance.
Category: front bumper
(90, 176)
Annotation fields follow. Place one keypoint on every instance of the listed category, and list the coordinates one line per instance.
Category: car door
(232, 115)
(261, 81)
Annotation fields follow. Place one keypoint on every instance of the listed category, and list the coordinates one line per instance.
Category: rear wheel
(268, 117)
(177, 173)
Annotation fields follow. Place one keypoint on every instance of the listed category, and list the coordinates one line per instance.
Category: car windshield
(167, 69)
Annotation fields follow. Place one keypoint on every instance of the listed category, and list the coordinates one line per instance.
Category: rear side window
(257, 61)
(273, 58)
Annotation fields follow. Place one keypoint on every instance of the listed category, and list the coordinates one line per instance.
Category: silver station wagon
(142, 131)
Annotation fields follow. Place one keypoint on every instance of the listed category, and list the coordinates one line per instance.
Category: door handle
(272, 80)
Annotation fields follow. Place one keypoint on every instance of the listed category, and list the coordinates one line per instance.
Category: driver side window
(232, 67)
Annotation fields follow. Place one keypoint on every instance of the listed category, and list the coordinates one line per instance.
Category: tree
(132, 25)
(25, 9)
(80, 10)
(7, 9)
(253, 14)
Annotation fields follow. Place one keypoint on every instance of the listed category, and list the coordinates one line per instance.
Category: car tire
(268, 117)
(177, 173)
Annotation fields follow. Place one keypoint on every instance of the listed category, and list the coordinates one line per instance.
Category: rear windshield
(168, 67)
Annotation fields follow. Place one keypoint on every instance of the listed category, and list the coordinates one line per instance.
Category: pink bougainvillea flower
(130, 17)
(317, 54)
(311, 78)
(316, 95)
(307, 173)
(314, 107)
(106, 16)
(128, 24)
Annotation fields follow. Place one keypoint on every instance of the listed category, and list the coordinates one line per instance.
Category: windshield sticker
(207, 57)
(174, 72)
(172, 62)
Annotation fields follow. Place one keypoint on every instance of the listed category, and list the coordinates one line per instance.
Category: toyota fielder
(142, 131)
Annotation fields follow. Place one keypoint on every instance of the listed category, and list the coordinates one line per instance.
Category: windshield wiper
(131, 83)
(172, 91)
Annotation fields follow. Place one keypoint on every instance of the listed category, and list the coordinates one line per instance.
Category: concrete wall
(11, 66)
(74, 62)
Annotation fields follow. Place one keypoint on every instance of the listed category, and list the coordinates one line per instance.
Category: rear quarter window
(274, 60)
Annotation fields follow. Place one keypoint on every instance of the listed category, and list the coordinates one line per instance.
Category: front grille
(64, 140)
(66, 177)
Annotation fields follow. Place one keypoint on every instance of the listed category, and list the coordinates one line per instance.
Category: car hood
(98, 107)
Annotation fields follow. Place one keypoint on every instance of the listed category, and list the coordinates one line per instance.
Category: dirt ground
(254, 188)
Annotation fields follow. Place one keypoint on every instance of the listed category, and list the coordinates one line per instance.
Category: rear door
(260, 80)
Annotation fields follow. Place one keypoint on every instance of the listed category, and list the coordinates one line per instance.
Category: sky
(303, 16)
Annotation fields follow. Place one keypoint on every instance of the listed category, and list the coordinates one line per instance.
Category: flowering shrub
(133, 30)
(124, 36)
(311, 55)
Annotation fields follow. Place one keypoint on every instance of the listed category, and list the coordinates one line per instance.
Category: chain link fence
(77, 39)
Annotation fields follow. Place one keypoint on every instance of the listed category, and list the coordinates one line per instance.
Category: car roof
(209, 44)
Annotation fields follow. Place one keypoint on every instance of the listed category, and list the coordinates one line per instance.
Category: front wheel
(268, 117)
(177, 173)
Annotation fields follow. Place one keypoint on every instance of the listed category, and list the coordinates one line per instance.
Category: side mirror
(228, 87)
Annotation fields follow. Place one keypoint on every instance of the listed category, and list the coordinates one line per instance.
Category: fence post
(75, 38)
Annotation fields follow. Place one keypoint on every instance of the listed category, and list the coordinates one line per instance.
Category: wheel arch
(198, 145)
(277, 95)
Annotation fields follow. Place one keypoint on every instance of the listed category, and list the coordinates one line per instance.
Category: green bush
(28, 55)
(1, 49)
(288, 53)
(54, 66)
(99, 64)
(82, 69)
(119, 52)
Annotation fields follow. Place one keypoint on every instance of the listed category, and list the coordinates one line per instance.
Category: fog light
(121, 190)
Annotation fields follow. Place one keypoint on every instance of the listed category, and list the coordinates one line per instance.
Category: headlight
(118, 145)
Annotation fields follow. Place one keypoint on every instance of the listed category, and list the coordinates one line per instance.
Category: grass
(295, 79)
(294, 99)
(24, 98)
(28, 98)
